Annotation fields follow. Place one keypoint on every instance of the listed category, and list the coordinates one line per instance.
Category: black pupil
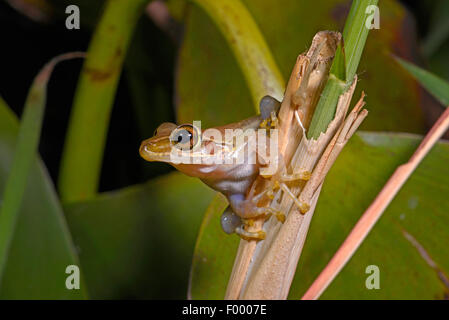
(184, 136)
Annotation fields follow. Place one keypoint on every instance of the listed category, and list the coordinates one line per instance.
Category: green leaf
(211, 86)
(41, 246)
(249, 47)
(213, 247)
(438, 87)
(138, 241)
(420, 209)
(93, 101)
(25, 153)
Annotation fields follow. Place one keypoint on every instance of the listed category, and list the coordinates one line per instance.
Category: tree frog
(234, 180)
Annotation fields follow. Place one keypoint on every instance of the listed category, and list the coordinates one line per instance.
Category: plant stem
(249, 47)
(375, 210)
(354, 37)
(83, 150)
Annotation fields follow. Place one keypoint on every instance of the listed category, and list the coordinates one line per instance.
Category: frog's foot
(269, 107)
(250, 235)
(270, 123)
(300, 175)
(302, 206)
(232, 223)
(264, 124)
(280, 216)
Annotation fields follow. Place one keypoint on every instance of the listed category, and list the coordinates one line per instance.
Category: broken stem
(344, 66)
(265, 269)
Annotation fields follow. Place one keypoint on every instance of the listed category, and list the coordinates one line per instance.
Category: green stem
(354, 36)
(249, 47)
(83, 151)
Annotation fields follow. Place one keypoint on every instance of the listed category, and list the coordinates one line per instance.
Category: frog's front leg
(269, 108)
(302, 206)
(303, 175)
(267, 211)
(278, 182)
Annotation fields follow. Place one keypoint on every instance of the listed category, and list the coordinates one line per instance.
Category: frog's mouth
(156, 149)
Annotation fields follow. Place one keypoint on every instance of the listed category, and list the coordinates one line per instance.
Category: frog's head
(166, 137)
(187, 149)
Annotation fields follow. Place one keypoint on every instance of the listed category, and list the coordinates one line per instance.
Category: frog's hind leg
(269, 192)
(232, 223)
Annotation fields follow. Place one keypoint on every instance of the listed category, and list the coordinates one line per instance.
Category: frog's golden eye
(184, 137)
